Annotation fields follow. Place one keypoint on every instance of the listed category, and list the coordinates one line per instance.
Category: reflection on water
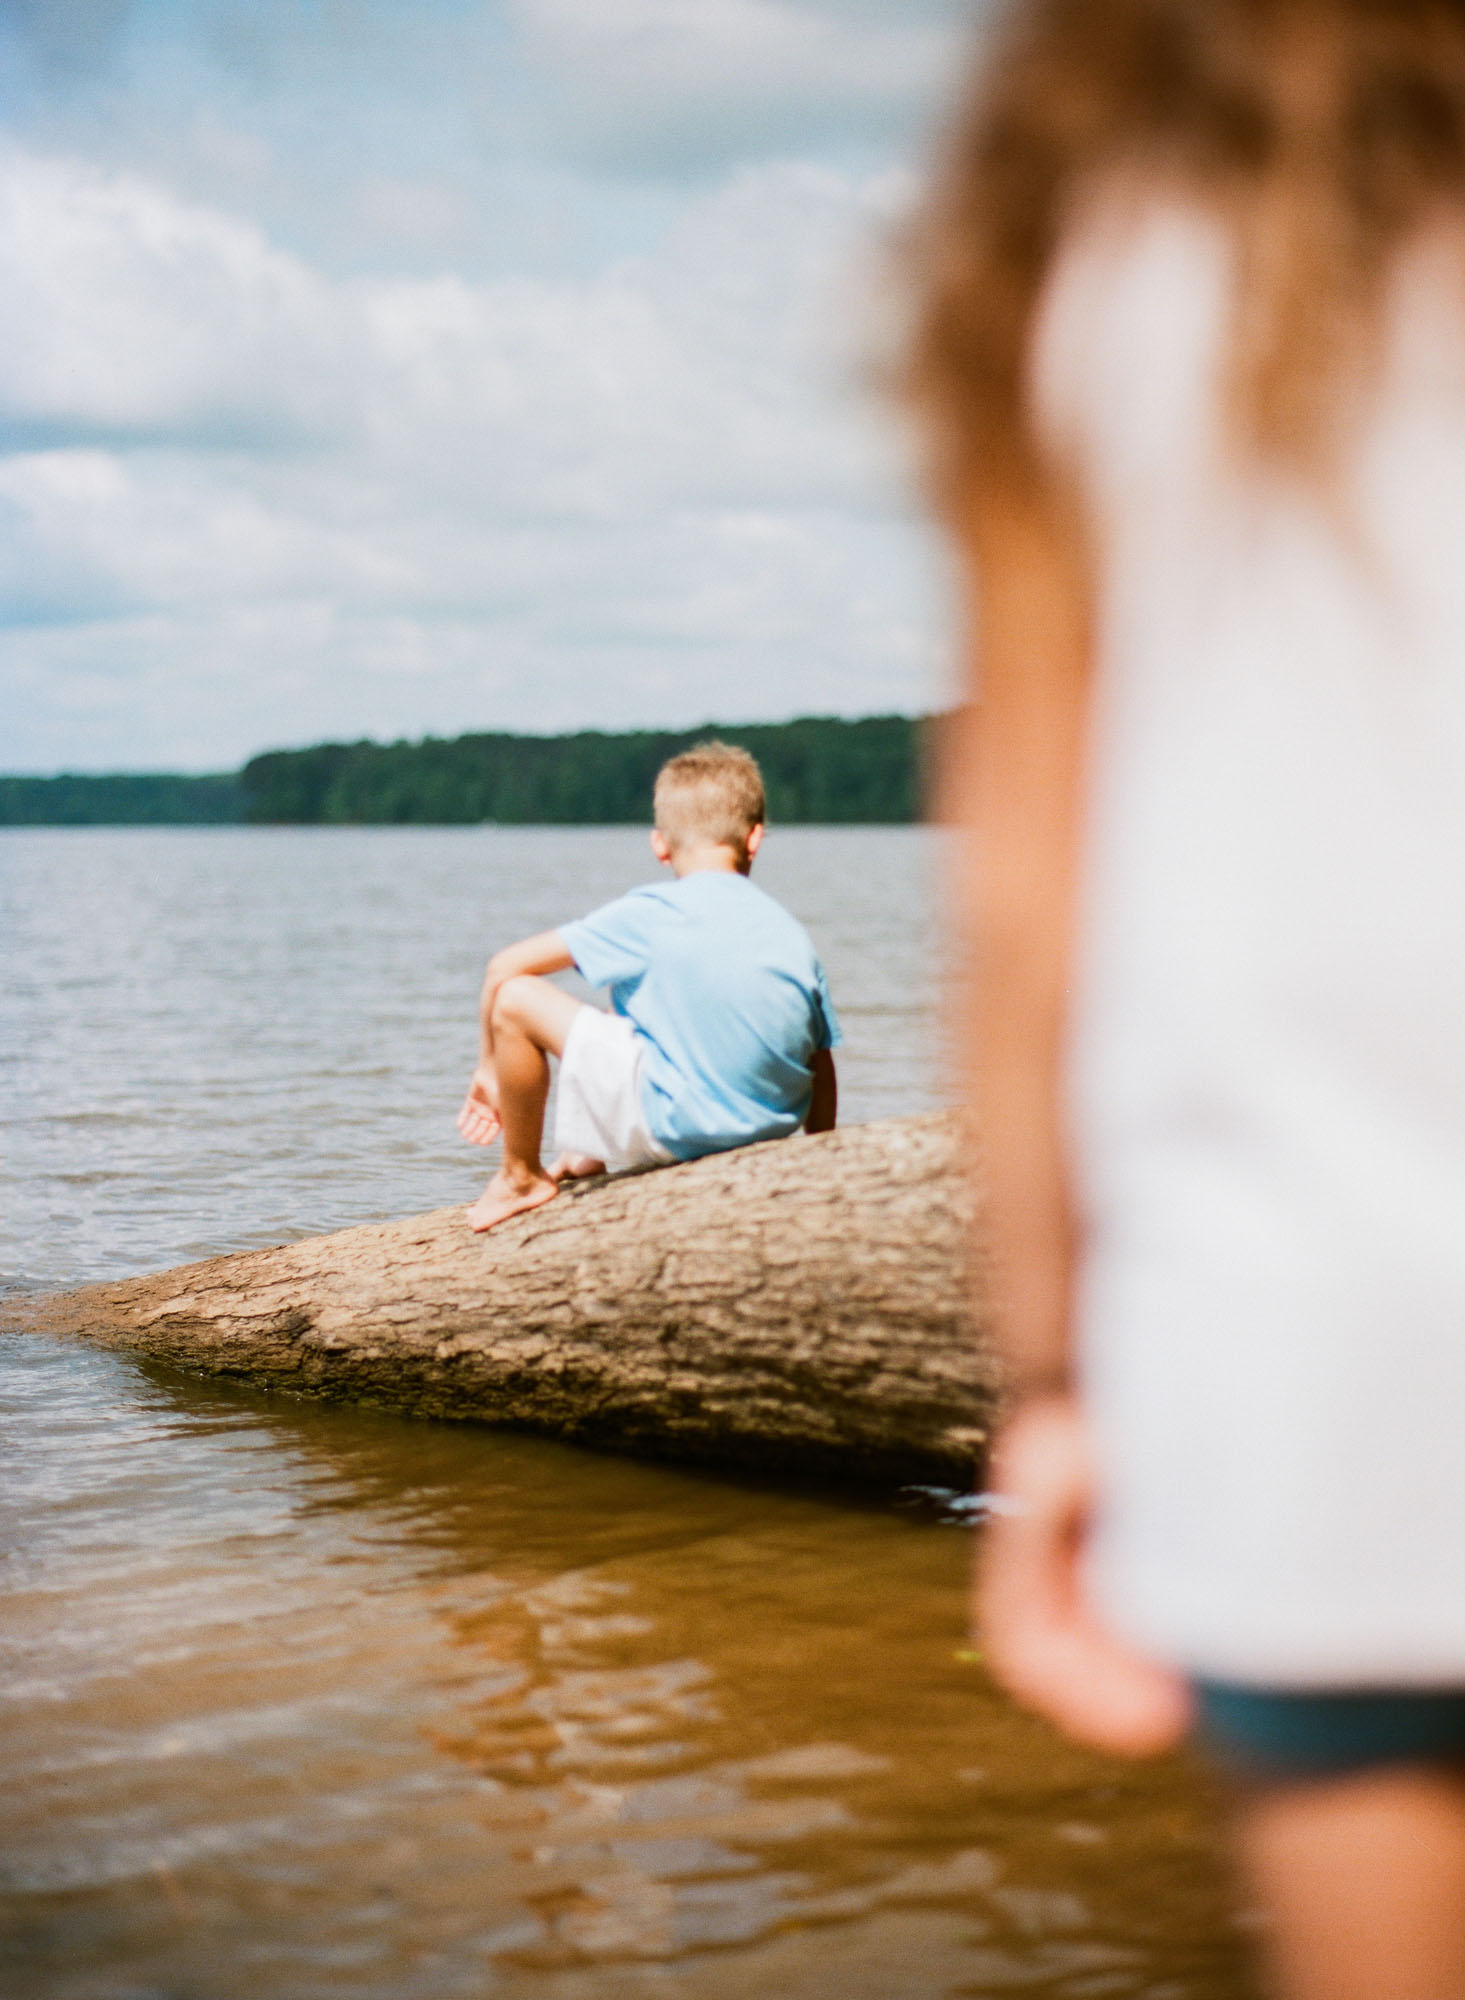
(306, 1701)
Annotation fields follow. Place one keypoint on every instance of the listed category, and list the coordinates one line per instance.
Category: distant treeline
(818, 769)
(120, 798)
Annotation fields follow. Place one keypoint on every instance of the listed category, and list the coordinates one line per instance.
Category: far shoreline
(820, 771)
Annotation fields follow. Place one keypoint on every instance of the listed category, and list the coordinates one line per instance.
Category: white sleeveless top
(1267, 1076)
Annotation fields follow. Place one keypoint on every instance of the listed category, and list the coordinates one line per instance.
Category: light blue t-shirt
(723, 988)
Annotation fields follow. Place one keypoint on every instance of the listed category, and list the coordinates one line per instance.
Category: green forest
(818, 770)
(120, 798)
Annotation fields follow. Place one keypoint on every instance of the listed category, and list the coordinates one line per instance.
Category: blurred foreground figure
(1191, 363)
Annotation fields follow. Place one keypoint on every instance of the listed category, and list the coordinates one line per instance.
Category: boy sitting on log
(722, 1027)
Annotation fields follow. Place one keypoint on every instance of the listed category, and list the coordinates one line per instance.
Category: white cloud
(657, 84)
(385, 129)
(253, 503)
(132, 312)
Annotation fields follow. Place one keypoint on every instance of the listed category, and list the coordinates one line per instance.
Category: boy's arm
(545, 952)
(824, 1102)
(478, 1119)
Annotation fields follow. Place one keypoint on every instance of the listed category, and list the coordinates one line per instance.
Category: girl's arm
(1016, 783)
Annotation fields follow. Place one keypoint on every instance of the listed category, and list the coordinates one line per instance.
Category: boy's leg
(531, 1021)
(1362, 1878)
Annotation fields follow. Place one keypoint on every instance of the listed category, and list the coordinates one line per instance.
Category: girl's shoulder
(1127, 353)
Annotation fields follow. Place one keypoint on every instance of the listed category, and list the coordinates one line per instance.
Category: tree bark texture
(806, 1305)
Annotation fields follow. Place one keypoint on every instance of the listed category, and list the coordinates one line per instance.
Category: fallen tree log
(800, 1306)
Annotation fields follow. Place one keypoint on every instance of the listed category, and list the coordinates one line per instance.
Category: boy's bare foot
(508, 1195)
(575, 1167)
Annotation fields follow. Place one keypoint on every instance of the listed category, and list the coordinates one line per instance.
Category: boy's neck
(709, 859)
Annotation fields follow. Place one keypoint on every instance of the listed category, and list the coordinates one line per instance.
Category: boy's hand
(479, 1120)
(1042, 1641)
(824, 1098)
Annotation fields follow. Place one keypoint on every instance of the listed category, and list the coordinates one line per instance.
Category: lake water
(308, 1701)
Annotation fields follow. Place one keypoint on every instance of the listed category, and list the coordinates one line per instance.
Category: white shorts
(598, 1111)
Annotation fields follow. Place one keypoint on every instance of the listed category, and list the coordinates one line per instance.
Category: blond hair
(712, 794)
(1324, 131)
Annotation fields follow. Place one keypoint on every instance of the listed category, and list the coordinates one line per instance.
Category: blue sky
(375, 368)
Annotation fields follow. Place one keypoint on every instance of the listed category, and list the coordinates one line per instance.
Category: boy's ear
(754, 840)
(660, 846)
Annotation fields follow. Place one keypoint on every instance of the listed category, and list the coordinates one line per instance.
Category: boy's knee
(510, 1001)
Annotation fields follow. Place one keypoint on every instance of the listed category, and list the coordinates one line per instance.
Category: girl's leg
(1362, 1878)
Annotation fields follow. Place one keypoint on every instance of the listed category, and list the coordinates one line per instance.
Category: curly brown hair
(1324, 131)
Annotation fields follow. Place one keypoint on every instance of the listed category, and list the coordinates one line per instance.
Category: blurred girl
(1191, 360)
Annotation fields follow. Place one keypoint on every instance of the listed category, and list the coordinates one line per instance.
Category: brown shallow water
(307, 1701)
(299, 1701)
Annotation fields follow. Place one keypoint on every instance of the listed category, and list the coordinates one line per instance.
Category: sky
(400, 367)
